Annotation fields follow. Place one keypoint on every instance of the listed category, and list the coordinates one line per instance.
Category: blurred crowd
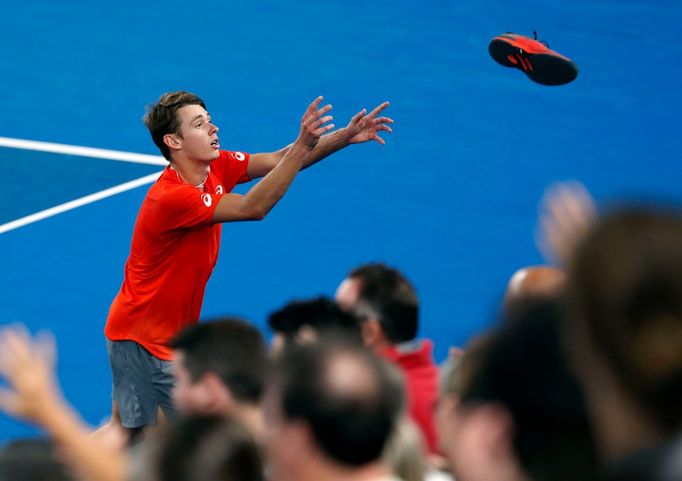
(580, 378)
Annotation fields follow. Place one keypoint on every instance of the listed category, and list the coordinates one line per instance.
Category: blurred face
(197, 137)
(347, 293)
(283, 441)
(189, 397)
(446, 421)
(479, 445)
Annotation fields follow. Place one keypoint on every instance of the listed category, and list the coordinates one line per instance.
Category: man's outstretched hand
(567, 212)
(314, 123)
(364, 127)
(27, 366)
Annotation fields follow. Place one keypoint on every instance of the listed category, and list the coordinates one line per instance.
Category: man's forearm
(327, 145)
(87, 456)
(265, 194)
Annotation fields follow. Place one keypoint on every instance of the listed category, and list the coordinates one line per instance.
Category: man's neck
(190, 171)
(323, 470)
(622, 425)
(251, 416)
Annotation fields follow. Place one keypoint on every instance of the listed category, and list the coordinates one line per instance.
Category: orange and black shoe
(534, 58)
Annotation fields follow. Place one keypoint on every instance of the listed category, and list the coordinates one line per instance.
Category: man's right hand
(313, 124)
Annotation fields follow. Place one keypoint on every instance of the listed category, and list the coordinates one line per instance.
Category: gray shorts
(142, 383)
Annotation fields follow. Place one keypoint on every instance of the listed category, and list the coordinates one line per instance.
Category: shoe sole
(543, 68)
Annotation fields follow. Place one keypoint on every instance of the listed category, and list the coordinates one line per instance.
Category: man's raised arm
(265, 194)
(362, 127)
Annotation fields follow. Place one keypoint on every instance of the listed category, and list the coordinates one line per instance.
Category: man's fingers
(315, 103)
(357, 117)
(570, 206)
(321, 121)
(312, 107)
(322, 130)
(15, 342)
(385, 128)
(379, 139)
(323, 110)
(384, 120)
(567, 211)
(46, 347)
(316, 114)
(376, 111)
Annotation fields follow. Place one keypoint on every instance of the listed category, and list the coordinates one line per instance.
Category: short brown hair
(387, 295)
(161, 117)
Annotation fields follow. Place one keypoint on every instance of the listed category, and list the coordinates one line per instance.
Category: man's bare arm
(27, 365)
(263, 196)
(361, 128)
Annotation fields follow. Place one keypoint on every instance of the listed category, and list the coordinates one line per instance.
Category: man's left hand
(363, 128)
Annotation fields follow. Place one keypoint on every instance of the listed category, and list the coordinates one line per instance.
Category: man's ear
(172, 141)
(301, 439)
(220, 398)
(496, 428)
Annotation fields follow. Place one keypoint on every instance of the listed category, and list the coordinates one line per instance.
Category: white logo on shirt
(219, 189)
(239, 156)
(207, 200)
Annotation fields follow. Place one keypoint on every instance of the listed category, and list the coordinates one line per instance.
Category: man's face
(479, 444)
(189, 397)
(198, 137)
(347, 293)
(283, 441)
(445, 420)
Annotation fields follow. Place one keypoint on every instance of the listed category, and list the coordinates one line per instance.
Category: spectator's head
(521, 414)
(331, 406)
(206, 448)
(305, 321)
(31, 460)
(534, 282)
(385, 302)
(625, 295)
(219, 366)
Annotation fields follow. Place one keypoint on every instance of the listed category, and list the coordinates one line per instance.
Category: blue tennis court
(451, 199)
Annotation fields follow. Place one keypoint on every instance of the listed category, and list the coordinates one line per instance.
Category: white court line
(88, 199)
(82, 151)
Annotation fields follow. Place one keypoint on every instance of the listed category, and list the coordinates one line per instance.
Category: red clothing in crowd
(415, 360)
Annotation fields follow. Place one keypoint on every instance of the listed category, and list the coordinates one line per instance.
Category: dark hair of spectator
(350, 426)
(524, 369)
(31, 460)
(625, 291)
(232, 349)
(320, 313)
(208, 448)
(387, 296)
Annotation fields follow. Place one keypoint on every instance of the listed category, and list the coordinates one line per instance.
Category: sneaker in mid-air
(534, 58)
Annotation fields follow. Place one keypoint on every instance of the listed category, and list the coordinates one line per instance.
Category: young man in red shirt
(177, 235)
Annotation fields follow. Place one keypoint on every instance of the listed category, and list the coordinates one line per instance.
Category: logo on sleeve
(219, 189)
(239, 156)
(207, 200)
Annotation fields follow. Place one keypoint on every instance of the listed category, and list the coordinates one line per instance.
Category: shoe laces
(535, 37)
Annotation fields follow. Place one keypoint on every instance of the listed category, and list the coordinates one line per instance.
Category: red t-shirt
(415, 360)
(173, 252)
